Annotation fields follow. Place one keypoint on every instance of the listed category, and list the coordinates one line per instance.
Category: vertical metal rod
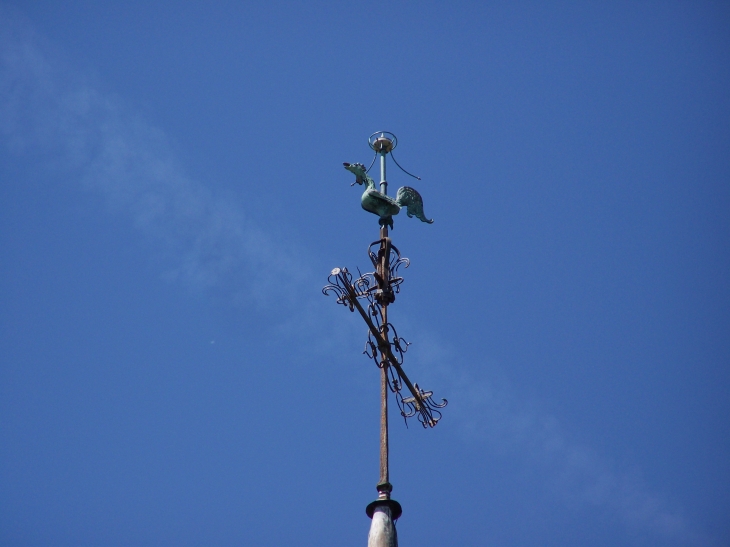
(384, 487)
(384, 472)
(383, 266)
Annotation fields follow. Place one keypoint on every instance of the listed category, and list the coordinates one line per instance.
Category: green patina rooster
(385, 206)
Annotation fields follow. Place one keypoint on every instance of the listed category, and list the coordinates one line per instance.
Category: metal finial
(370, 294)
(377, 201)
(383, 141)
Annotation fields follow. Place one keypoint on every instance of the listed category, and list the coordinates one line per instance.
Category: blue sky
(172, 199)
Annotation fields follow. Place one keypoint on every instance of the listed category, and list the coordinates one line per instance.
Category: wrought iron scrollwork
(398, 346)
(425, 408)
(395, 261)
(339, 281)
(385, 350)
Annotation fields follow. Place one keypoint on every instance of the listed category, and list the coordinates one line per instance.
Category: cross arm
(419, 396)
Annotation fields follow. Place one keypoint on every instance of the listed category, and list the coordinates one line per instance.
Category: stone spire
(383, 512)
(382, 529)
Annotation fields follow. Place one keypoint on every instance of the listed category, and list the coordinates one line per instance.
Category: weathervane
(371, 294)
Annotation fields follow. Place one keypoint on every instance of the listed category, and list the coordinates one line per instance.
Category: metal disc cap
(383, 141)
(395, 509)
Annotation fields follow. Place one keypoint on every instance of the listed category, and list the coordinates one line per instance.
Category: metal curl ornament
(386, 352)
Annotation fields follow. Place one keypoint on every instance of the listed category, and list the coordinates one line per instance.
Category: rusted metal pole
(384, 273)
(384, 474)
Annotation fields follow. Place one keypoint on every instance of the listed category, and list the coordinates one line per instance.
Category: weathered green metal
(383, 205)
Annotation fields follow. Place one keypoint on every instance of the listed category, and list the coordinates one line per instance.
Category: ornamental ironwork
(370, 294)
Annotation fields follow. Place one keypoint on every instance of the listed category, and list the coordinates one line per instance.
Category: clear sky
(172, 199)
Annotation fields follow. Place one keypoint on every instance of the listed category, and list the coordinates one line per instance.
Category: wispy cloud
(47, 108)
(493, 412)
(209, 243)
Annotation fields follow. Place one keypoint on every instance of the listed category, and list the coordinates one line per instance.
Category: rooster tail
(408, 197)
